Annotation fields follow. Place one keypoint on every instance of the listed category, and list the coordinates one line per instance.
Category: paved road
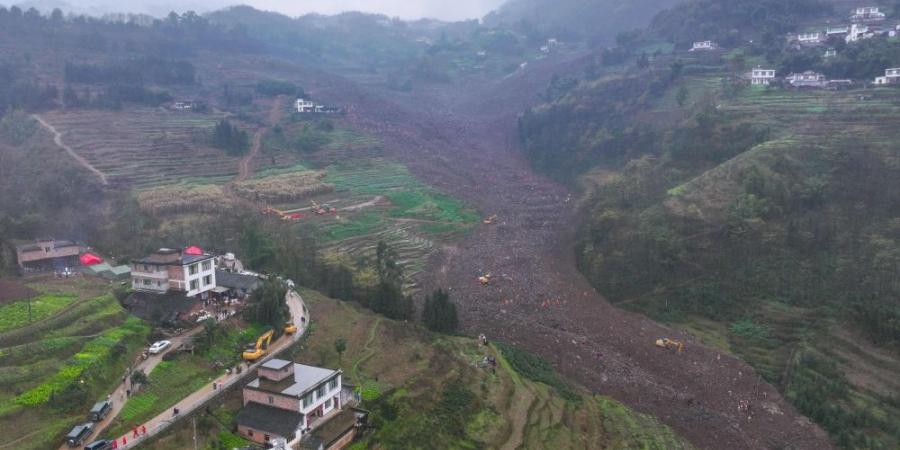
(118, 395)
(188, 404)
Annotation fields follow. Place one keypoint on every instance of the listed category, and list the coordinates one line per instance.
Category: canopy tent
(193, 250)
(90, 259)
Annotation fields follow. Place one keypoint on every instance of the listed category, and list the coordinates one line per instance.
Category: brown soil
(462, 140)
(11, 291)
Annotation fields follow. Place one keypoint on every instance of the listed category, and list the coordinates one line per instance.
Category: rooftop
(165, 256)
(236, 280)
(38, 246)
(305, 379)
(277, 421)
(275, 364)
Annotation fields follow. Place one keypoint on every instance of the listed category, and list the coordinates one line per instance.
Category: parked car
(79, 434)
(159, 346)
(100, 410)
(103, 444)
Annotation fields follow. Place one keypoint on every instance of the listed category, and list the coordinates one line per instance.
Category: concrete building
(703, 46)
(193, 273)
(811, 38)
(867, 14)
(837, 31)
(288, 401)
(859, 32)
(47, 255)
(808, 79)
(891, 76)
(762, 77)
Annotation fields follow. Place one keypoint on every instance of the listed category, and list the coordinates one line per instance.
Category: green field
(70, 356)
(22, 312)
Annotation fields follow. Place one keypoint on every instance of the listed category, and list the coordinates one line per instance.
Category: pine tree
(439, 314)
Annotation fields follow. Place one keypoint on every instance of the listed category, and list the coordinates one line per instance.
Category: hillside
(594, 21)
(760, 220)
(430, 391)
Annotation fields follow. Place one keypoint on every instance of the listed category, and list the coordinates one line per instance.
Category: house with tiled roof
(187, 270)
(47, 255)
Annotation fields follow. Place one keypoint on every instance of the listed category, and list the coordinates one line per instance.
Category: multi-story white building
(808, 79)
(891, 76)
(867, 14)
(288, 400)
(859, 32)
(190, 271)
(700, 46)
(762, 77)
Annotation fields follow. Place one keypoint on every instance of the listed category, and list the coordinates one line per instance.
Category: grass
(15, 315)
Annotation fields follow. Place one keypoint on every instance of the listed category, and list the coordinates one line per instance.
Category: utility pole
(194, 420)
(28, 301)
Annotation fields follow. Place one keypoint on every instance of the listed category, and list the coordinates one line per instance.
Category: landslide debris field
(461, 140)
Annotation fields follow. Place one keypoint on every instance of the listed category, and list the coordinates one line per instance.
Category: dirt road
(57, 138)
(461, 139)
(245, 168)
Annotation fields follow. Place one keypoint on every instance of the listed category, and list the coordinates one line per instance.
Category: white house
(190, 271)
(762, 77)
(858, 32)
(305, 106)
(808, 79)
(703, 46)
(867, 14)
(837, 31)
(811, 38)
(288, 400)
(891, 76)
(830, 53)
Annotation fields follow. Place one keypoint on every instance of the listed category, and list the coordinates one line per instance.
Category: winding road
(57, 138)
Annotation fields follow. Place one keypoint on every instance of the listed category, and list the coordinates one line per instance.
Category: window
(271, 400)
(267, 437)
(249, 432)
(158, 284)
(308, 400)
(195, 285)
(146, 282)
(320, 391)
(192, 269)
(332, 384)
(207, 265)
(328, 403)
(207, 280)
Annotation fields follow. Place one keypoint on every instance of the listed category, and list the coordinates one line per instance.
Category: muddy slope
(461, 139)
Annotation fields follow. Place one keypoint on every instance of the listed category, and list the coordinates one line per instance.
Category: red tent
(296, 216)
(193, 250)
(90, 259)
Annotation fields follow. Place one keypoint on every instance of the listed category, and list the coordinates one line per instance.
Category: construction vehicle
(671, 344)
(290, 328)
(485, 279)
(261, 348)
(489, 220)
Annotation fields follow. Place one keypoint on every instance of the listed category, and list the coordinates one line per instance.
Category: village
(286, 404)
(863, 23)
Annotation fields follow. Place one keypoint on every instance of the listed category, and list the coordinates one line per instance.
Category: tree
(340, 346)
(439, 314)
(681, 96)
(138, 377)
(267, 304)
(230, 138)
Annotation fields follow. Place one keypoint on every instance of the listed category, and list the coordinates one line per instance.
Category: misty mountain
(595, 20)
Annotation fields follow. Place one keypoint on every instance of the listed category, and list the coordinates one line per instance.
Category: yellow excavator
(489, 220)
(667, 343)
(485, 279)
(290, 328)
(261, 348)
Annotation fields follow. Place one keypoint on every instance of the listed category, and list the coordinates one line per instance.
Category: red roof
(90, 259)
(193, 250)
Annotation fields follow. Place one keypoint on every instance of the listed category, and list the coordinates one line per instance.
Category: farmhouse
(762, 77)
(235, 284)
(808, 79)
(811, 38)
(47, 254)
(190, 271)
(867, 14)
(703, 46)
(859, 32)
(837, 31)
(304, 106)
(288, 401)
(830, 53)
(891, 76)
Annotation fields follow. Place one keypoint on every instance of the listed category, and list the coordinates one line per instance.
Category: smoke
(449, 10)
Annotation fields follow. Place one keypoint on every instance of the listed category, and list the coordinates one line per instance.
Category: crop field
(22, 312)
(402, 368)
(55, 367)
(283, 188)
(144, 146)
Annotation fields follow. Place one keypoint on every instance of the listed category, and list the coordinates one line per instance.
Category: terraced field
(143, 147)
(54, 368)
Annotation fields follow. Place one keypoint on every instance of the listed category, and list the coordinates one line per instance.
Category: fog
(406, 9)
